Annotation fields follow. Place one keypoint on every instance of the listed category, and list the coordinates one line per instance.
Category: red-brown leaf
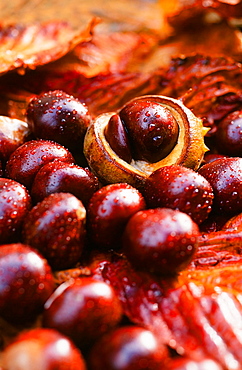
(210, 86)
(28, 46)
(183, 10)
(198, 313)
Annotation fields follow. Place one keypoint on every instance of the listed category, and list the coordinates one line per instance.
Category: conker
(15, 203)
(57, 116)
(56, 227)
(151, 127)
(225, 177)
(228, 137)
(42, 349)
(180, 188)
(109, 211)
(27, 159)
(161, 241)
(59, 176)
(26, 282)
(83, 309)
(128, 348)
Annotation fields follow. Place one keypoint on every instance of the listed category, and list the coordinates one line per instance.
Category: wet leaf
(28, 46)
(198, 313)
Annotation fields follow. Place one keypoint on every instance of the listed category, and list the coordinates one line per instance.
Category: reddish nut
(128, 348)
(42, 349)
(228, 135)
(225, 176)
(188, 150)
(58, 176)
(151, 127)
(117, 138)
(60, 117)
(180, 188)
(109, 211)
(26, 282)
(83, 309)
(27, 159)
(13, 133)
(56, 227)
(15, 202)
(161, 240)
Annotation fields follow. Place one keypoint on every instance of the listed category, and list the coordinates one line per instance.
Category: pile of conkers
(134, 182)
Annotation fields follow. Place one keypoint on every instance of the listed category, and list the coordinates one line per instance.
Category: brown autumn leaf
(105, 53)
(100, 72)
(190, 10)
(23, 47)
(210, 86)
(197, 313)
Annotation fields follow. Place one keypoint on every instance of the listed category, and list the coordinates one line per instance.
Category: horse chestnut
(83, 309)
(26, 282)
(117, 138)
(225, 177)
(167, 133)
(109, 211)
(28, 158)
(160, 240)
(56, 226)
(151, 127)
(15, 202)
(128, 348)
(59, 176)
(228, 136)
(180, 188)
(42, 349)
(60, 117)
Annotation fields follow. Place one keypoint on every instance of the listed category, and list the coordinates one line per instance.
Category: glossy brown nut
(43, 349)
(27, 159)
(117, 138)
(109, 211)
(56, 227)
(225, 177)
(59, 176)
(228, 135)
(83, 309)
(60, 117)
(110, 168)
(181, 188)
(128, 348)
(151, 127)
(15, 202)
(161, 241)
(26, 282)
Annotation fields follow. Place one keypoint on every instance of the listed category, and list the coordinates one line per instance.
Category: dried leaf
(105, 92)
(198, 313)
(29, 46)
(98, 72)
(105, 53)
(210, 86)
(184, 11)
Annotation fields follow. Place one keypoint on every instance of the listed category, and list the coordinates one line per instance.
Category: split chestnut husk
(188, 150)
